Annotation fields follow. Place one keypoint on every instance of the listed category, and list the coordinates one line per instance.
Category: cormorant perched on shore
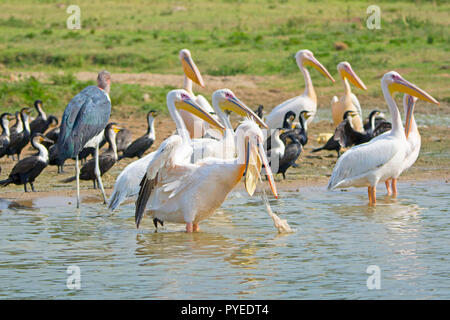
(345, 136)
(259, 111)
(138, 147)
(18, 125)
(26, 170)
(4, 137)
(19, 140)
(42, 121)
(124, 138)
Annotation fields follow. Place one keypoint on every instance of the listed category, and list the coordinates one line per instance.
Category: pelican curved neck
(188, 85)
(240, 148)
(347, 89)
(181, 127)
(309, 88)
(397, 125)
(224, 119)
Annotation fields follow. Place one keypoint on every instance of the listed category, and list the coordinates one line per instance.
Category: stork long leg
(77, 174)
(97, 174)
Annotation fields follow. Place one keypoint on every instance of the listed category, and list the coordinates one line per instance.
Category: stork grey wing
(85, 117)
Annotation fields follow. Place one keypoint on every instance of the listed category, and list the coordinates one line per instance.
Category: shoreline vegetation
(138, 43)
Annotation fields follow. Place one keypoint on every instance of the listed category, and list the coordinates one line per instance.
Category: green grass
(250, 37)
(57, 92)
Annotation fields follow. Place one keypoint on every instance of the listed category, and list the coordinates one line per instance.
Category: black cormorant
(4, 137)
(142, 144)
(20, 139)
(124, 138)
(42, 121)
(26, 170)
(259, 112)
(18, 125)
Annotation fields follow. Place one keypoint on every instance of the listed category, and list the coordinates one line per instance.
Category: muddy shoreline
(314, 168)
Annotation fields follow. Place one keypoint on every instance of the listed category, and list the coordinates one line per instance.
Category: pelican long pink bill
(399, 84)
(234, 104)
(411, 103)
(265, 162)
(190, 68)
(254, 159)
(312, 61)
(191, 106)
(352, 77)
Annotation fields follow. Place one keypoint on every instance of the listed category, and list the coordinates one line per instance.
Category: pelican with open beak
(348, 102)
(383, 157)
(413, 140)
(190, 193)
(305, 102)
(196, 127)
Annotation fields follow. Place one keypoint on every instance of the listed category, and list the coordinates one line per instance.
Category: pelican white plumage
(348, 102)
(127, 183)
(413, 140)
(305, 102)
(382, 157)
(196, 127)
(189, 193)
(224, 100)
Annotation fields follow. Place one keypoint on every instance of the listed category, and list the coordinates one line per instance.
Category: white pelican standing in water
(382, 157)
(413, 139)
(348, 102)
(127, 183)
(189, 193)
(305, 102)
(196, 127)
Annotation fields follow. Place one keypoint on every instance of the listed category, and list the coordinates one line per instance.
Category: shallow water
(238, 253)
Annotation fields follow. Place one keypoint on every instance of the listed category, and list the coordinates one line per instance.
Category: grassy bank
(228, 37)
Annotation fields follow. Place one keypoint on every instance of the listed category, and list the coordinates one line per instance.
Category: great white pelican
(305, 102)
(383, 157)
(348, 102)
(413, 139)
(196, 127)
(224, 101)
(182, 192)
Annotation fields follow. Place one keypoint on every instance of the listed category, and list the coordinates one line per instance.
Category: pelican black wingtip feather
(144, 194)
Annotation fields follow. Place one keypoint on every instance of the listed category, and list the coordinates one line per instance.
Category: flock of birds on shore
(191, 173)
